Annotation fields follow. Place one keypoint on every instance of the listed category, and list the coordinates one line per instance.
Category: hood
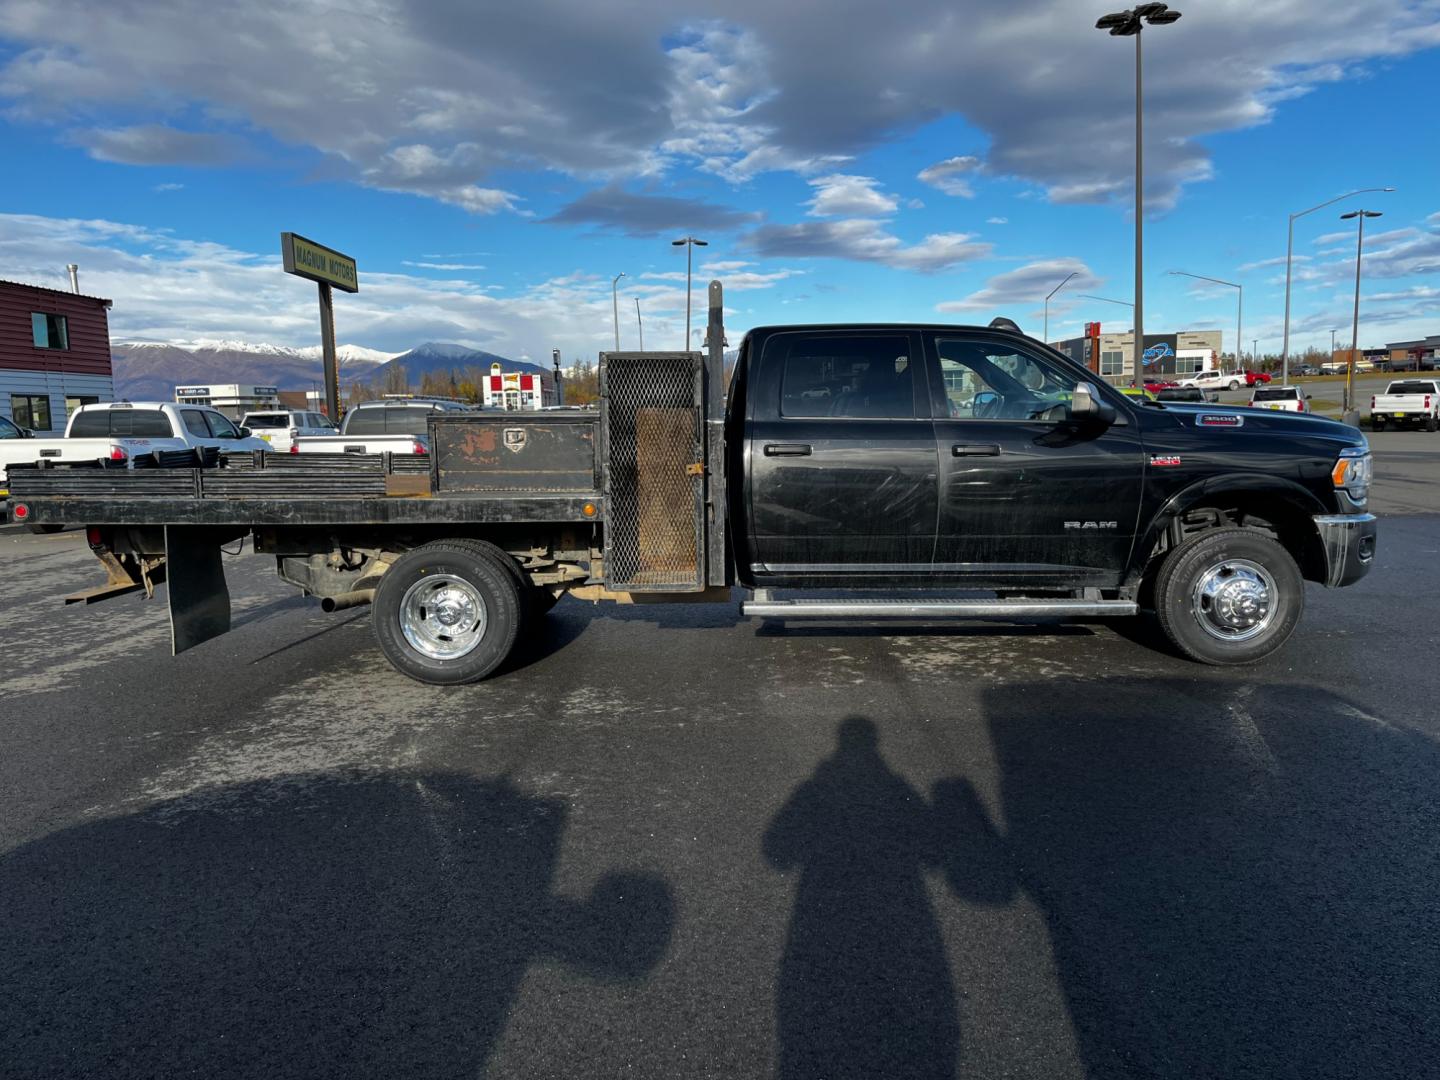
(1193, 414)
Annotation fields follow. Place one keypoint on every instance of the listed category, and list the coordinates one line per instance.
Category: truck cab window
(848, 376)
(990, 381)
(195, 422)
(221, 426)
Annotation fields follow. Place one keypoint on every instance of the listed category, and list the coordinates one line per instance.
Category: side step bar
(933, 609)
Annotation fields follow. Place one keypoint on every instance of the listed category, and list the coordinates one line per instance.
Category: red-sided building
(518, 390)
(54, 354)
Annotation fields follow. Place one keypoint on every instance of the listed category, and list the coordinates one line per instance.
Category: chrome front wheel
(1234, 600)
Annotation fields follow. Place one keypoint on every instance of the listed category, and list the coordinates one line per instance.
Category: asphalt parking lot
(671, 842)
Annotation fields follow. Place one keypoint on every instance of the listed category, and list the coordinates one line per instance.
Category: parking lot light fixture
(1128, 24)
(1051, 293)
(1239, 308)
(1359, 216)
(689, 243)
(1289, 250)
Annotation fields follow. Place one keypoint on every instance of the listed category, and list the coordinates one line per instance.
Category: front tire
(1234, 385)
(447, 613)
(1229, 596)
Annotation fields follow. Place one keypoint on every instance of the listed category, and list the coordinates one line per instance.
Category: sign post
(329, 270)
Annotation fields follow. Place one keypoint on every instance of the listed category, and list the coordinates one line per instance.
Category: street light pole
(689, 243)
(1255, 353)
(1239, 308)
(640, 326)
(615, 307)
(1128, 24)
(1351, 414)
(1289, 250)
(1051, 293)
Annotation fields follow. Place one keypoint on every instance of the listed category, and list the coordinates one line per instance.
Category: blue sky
(492, 170)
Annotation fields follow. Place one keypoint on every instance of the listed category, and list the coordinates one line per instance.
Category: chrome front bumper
(1348, 541)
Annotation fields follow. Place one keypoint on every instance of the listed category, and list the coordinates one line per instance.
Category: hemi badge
(1164, 459)
(1219, 420)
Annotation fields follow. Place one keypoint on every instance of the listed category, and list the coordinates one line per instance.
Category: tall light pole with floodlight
(1239, 308)
(689, 243)
(1128, 24)
(1360, 216)
(1289, 250)
(1051, 293)
(640, 326)
(615, 307)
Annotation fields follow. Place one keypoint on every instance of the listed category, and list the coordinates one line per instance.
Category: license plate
(265, 437)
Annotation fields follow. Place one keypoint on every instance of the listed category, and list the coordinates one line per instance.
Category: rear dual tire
(450, 612)
(1229, 596)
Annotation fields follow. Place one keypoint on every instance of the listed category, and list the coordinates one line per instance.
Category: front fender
(1209, 490)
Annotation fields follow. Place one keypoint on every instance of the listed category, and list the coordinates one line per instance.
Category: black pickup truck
(862, 471)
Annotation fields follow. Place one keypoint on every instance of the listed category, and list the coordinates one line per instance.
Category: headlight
(1352, 472)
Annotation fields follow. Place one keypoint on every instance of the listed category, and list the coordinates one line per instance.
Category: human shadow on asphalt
(324, 925)
(865, 988)
(1240, 880)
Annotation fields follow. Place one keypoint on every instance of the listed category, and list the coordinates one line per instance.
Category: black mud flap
(199, 597)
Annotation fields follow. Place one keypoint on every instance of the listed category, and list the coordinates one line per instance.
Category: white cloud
(865, 240)
(1278, 260)
(764, 86)
(997, 221)
(441, 265)
(171, 288)
(1026, 285)
(948, 175)
(839, 195)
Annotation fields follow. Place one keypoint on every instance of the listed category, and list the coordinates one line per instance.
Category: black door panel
(1024, 491)
(843, 480)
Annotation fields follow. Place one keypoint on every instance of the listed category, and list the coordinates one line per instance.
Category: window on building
(74, 402)
(1112, 362)
(30, 411)
(49, 331)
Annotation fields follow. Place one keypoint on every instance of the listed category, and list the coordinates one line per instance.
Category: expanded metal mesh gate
(654, 480)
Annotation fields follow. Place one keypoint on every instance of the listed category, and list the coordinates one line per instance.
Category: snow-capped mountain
(150, 370)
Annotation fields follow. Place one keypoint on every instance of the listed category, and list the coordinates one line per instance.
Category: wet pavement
(671, 842)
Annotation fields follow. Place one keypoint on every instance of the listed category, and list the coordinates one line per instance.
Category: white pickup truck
(378, 427)
(1407, 401)
(122, 431)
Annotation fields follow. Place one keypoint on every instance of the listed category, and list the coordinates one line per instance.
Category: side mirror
(1086, 405)
(244, 433)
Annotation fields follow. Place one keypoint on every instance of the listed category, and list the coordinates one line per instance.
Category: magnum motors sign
(307, 259)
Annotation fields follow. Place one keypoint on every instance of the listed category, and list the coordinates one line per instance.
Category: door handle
(975, 450)
(787, 449)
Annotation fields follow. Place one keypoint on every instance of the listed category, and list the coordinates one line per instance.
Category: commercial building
(1422, 354)
(54, 354)
(518, 390)
(1111, 356)
(232, 399)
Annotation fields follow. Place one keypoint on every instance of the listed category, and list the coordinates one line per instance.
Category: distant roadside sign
(307, 259)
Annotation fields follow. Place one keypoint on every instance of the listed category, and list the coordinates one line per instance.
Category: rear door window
(366, 422)
(195, 422)
(847, 376)
(406, 421)
(91, 424)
